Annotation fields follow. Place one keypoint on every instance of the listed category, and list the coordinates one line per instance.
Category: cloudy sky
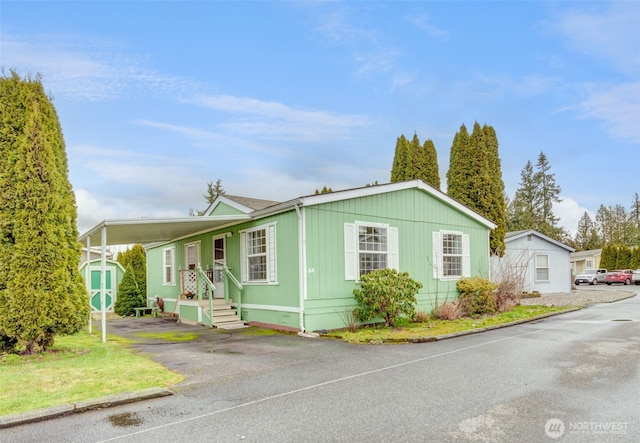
(278, 99)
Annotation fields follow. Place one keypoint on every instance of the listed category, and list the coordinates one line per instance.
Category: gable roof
(162, 230)
(514, 235)
(242, 204)
(586, 254)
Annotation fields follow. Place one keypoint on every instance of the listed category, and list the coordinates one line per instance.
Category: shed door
(110, 284)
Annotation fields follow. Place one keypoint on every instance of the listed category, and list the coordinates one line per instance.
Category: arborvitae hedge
(41, 291)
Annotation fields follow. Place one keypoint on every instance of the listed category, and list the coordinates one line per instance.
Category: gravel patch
(579, 297)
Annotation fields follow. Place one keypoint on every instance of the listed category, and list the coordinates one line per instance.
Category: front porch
(200, 302)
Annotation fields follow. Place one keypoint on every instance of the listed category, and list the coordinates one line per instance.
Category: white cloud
(423, 21)
(569, 212)
(611, 35)
(618, 107)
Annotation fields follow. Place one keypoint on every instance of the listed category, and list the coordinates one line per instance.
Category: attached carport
(145, 231)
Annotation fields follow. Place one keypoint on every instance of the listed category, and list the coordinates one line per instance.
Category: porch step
(233, 325)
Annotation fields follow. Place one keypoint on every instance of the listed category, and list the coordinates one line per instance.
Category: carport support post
(103, 283)
(87, 280)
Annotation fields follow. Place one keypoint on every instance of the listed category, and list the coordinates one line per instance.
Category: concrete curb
(7, 421)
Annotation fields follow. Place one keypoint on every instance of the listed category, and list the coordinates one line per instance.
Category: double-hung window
(168, 266)
(368, 247)
(542, 268)
(451, 258)
(258, 252)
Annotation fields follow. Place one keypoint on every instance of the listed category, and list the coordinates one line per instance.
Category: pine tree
(586, 237)
(635, 258)
(213, 191)
(432, 172)
(634, 220)
(136, 258)
(548, 194)
(400, 159)
(42, 293)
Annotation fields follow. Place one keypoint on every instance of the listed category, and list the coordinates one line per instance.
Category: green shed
(114, 272)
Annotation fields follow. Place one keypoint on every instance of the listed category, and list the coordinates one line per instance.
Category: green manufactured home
(294, 265)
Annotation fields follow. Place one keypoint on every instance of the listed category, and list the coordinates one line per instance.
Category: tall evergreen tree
(623, 258)
(497, 207)
(432, 170)
(400, 159)
(548, 194)
(532, 205)
(475, 178)
(634, 220)
(42, 293)
(129, 294)
(416, 160)
(136, 258)
(459, 166)
(586, 237)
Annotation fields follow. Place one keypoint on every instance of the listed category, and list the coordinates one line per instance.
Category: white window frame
(439, 254)
(169, 269)
(269, 254)
(353, 251)
(196, 246)
(542, 268)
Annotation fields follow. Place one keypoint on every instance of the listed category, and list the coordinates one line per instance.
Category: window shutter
(350, 251)
(437, 255)
(466, 256)
(243, 257)
(271, 239)
(394, 256)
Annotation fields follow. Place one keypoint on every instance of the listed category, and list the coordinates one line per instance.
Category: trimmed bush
(387, 294)
(477, 295)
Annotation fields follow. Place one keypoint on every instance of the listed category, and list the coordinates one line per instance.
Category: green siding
(416, 214)
(225, 209)
(285, 292)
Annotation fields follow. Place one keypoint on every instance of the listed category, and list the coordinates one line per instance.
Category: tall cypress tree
(41, 291)
(416, 161)
(400, 159)
(475, 178)
(432, 172)
(497, 208)
(137, 259)
(459, 166)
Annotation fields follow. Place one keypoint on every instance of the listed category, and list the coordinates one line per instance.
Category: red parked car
(619, 276)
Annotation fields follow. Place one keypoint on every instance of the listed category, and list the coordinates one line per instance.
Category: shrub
(386, 293)
(129, 295)
(421, 317)
(477, 295)
(451, 310)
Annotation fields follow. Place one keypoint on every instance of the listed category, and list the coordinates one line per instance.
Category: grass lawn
(433, 328)
(77, 368)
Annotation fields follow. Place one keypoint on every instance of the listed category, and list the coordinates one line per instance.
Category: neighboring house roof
(585, 254)
(162, 230)
(514, 235)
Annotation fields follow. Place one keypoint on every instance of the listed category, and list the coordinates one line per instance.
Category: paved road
(574, 377)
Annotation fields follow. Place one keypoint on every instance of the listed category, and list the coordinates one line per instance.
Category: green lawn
(77, 368)
(433, 328)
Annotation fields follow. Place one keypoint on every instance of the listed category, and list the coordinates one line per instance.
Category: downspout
(302, 264)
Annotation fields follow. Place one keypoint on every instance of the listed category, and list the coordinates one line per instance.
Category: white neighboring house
(541, 262)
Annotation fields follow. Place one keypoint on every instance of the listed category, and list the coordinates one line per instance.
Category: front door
(219, 262)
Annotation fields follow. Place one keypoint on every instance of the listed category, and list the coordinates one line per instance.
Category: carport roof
(124, 232)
